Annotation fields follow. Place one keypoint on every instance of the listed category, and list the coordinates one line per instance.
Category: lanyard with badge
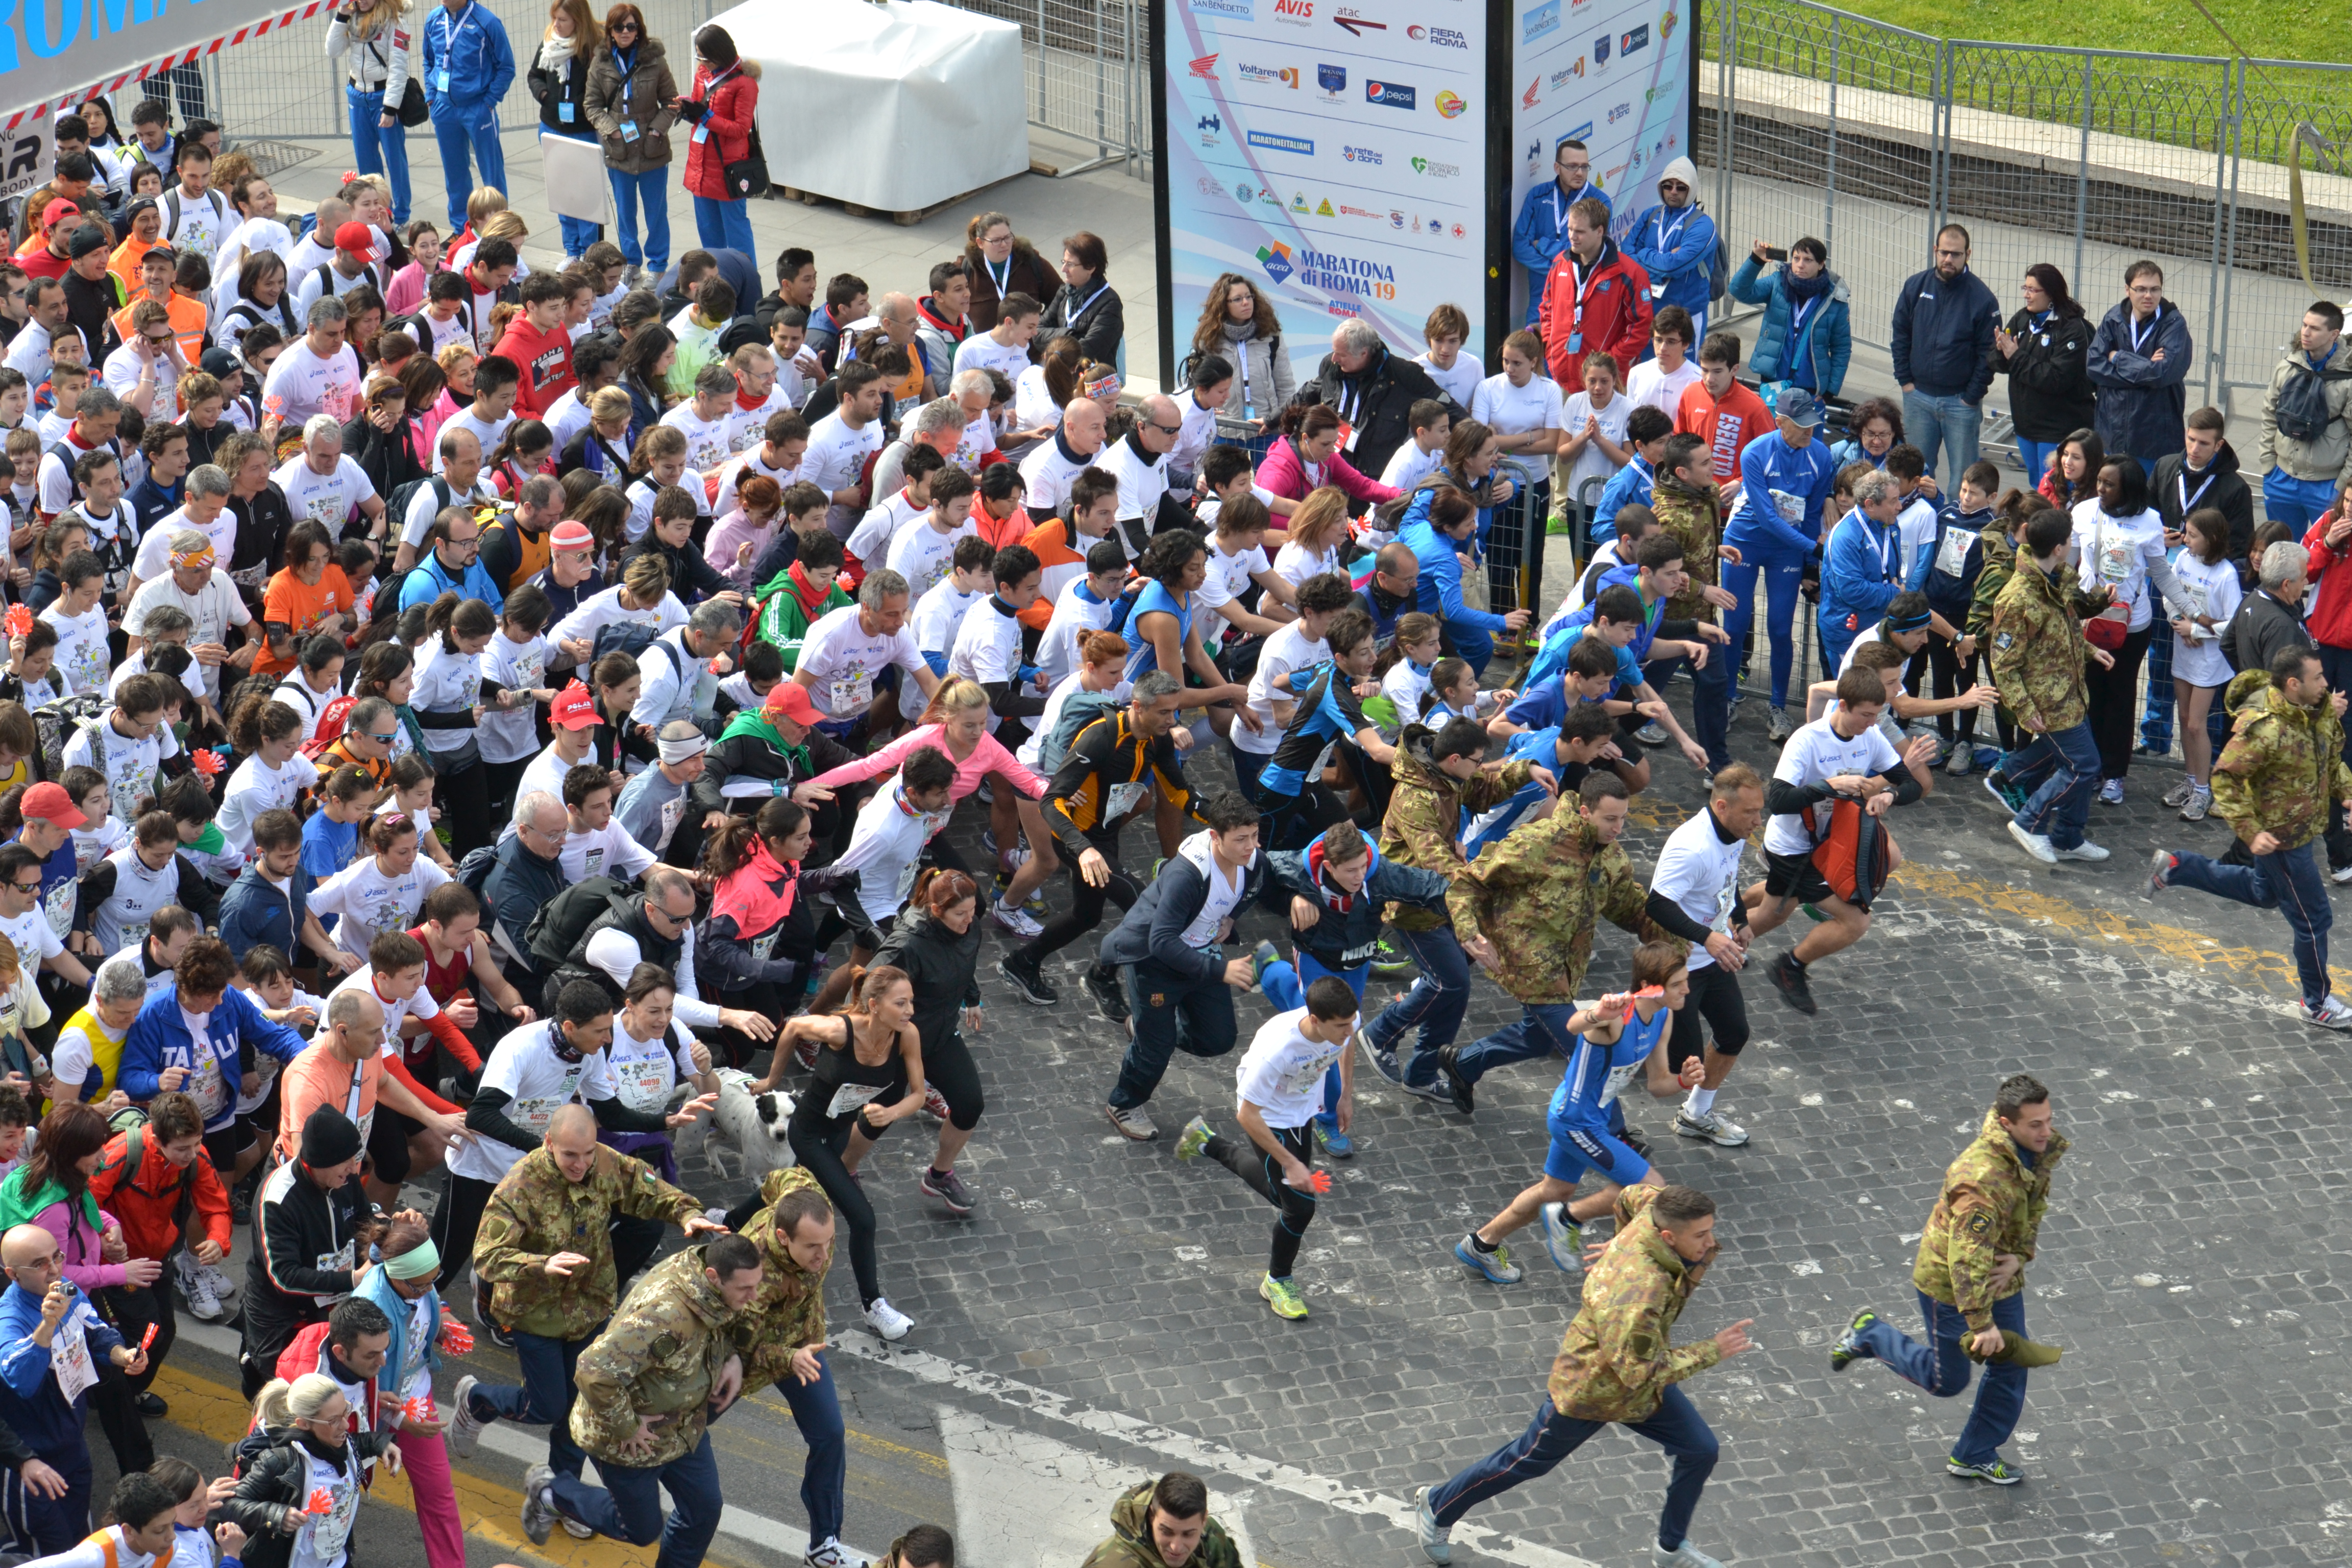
(1581, 275)
(1666, 238)
(628, 68)
(2139, 334)
(449, 49)
(710, 95)
(2188, 500)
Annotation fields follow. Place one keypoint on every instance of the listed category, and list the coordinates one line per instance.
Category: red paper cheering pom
(1319, 1182)
(321, 1501)
(206, 762)
(20, 620)
(456, 1338)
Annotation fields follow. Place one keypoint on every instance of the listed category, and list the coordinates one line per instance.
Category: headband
(415, 1263)
(1106, 386)
(203, 557)
(682, 748)
(1908, 623)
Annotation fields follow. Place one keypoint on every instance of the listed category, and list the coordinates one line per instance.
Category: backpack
(1080, 710)
(1718, 270)
(632, 637)
(474, 871)
(173, 209)
(330, 726)
(561, 923)
(396, 509)
(2303, 413)
(55, 723)
(1857, 857)
(182, 1192)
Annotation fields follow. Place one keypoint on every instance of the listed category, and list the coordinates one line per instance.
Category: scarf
(809, 596)
(746, 402)
(1801, 290)
(554, 54)
(1241, 332)
(759, 896)
(754, 721)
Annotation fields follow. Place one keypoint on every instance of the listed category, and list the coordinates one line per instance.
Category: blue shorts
(1576, 1150)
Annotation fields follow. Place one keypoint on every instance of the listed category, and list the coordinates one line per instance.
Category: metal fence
(1869, 137)
(1086, 67)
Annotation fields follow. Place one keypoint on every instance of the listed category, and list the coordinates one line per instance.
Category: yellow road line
(491, 1511)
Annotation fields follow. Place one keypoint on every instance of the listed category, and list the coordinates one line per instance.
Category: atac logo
(1276, 260)
(1361, 155)
(1206, 67)
(1297, 13)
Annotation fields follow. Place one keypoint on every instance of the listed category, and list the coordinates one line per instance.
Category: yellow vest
(105, 1050)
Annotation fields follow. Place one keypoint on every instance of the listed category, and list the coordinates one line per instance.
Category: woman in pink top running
(956, 723)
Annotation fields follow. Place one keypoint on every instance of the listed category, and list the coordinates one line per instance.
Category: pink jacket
(405, 295)
(1284, 472)
(84, 1264)
(986, 758)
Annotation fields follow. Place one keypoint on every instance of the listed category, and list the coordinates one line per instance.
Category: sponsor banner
(1335, 155)
(1613, 74)
(54, 56)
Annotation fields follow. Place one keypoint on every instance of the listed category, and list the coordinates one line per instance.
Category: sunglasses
(32, 886)
(617, 29)
(384, 739)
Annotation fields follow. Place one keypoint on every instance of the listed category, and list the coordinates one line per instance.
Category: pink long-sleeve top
(988, 757)
(85, 1264)
(1286, 471)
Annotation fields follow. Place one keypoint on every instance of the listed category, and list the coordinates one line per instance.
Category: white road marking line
(1192, 1453)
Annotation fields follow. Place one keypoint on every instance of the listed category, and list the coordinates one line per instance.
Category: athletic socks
(1700, 1102)
(1481, 1244)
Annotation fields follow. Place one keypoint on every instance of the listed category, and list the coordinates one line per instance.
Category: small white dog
(754, 1123)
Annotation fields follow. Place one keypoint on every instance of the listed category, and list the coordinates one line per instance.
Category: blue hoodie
(1675, 245)
(1756, 528)
(1633, 485)
(159, 1038)
(1863, 572)
(1438, 591)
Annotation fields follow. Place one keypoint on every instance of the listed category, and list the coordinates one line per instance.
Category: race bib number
(206, 1085)
(1952, 552)
(536, 1113)
(1791, 508)
(671, 811)
(850, 1095)
(61, 901)
(849, 694)
(1615, 1084)
(762, 946)
(644, 1084)
(69, 1358)
(1122, 799)
(1725, 900)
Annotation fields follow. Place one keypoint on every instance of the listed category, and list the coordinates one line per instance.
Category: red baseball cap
(57, 211)
(360, 240)
(791, 699)
(573, 708)
(50, 803)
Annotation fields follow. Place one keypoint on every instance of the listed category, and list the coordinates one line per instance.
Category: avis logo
(1618, 112)
(1297, 13)
(1276, 258)
(1206, 67)
(1638, 39)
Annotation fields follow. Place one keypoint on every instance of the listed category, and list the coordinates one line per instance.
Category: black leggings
(818, 1149)
(635, 1242)
(948, 1066)
(1259, 1169)
(2114, 702)
(455, 1222)
(730, 1046)
(1084, 913)
(1714, 998)
(502, 778)
(1952, 679)
(464, 798)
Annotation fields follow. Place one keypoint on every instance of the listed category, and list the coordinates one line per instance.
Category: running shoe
(2159, 872)
(2085, 850)
(1961, 762)
(1028, 979)
(1195, 1138)
(1563, 1240)
(465, 1425)
(1133, 1121)
(831, 1553)
(2340, 873)
(1458, 1090)
(1286, 1300)
(1850, 1347)
(1997, 1471)
(1778, 729)
(887, 1320)
(539, 1515)
(1683, 1556)
(574, 1528)
(1714, 1127)
(1331, 1141)
(1651, 734)
(1019, 922)
(949, 1188)
(2331, 1013)
(1392, 961)
(1109, 995)
(2013, 798)
(1261, 957)
(987, 792)
(935, 1104)
(2111, 793)
(1435, 1543)
(1382, 1060)
(1792, 983)
(1495, 1266)
(1631, 1138)
(203, 1301)
(2034, 844)
(988, 839)
(2177, 795)
(223, 1286)
(2199, 805)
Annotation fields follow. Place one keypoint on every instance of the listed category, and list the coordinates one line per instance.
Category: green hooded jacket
(1130, 1545)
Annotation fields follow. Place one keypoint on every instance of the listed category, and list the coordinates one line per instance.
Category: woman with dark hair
(720, 105)
(380, 436)
(756, 946)
(1238, 323)
(937, 943)
(1875, 429)
(645, 365)
(2073, 477)
(51, 1189)
(2045, 352)
(1807, 338)
(1000, 262)
(1086, 306)
(1464, 489)
(630, 94)
(651, 1053)
(1308, 457)
(2119, 545)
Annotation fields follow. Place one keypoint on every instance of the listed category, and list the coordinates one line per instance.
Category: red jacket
(545, 361)
(308, 1353)
(1614, 315)
(723, 136)
(2330, 621)
(145, 1207)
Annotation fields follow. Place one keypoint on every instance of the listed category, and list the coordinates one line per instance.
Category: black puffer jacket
(275, 1487)
(941, 965)
(385, 456)
(2050, 392)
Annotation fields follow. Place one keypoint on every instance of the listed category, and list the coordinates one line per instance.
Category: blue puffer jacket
(1862, 570)
(1341, 938)
(1828, 343)
(1439, 590)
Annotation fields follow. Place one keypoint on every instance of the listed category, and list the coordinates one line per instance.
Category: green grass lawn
(2273, 29)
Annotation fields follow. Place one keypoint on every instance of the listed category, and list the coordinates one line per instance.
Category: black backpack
(2302, 414)
(396, 507)
(632, 637)
(563, 921)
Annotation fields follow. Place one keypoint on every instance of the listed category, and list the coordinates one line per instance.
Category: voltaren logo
(1206, 67)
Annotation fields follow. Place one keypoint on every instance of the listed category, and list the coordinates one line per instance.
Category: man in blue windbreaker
(469, 66)
(1541, 233)
(1784, 478)
(1863, 568)
(1674, 242)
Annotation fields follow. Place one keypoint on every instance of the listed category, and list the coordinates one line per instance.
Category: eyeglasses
(1955, 255)
(471, 541)
(1167, 429)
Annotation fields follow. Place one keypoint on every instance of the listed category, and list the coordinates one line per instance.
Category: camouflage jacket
(2038, 651)
(1537, 895)
(2283, 764)
(1990, 1203)
(788, 1312)
(1999, 566)
(1130, 1545)
(1618, 1356)
(660, 1357)
(1424, 825)
(1694, 516)
(534, 1213)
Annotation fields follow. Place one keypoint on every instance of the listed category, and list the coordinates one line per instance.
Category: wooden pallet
(903, 219)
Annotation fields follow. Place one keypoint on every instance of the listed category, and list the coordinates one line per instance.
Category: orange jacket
(145, 1206)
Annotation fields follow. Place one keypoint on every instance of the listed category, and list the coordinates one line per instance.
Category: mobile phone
(1774, 253)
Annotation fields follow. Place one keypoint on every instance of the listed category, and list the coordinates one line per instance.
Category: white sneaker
(465, 1426)
(223, 1286)
(203, 1302)
(1019, 922)
(887, 1320)
(1714, 1127)
(832, 1553)
(2034, 844)
(2331, 1014)
(1683, 1556)
(574, 1528)
(2085, 850)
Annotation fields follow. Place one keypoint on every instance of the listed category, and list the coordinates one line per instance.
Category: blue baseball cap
(1800, 407)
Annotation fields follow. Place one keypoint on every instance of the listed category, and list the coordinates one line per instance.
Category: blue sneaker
(1996, 1471)
(1496, 1266)
(1331, 1141)
(1563, 1240)
(2012, 799)
(1850, 1347)
(1382, 1060)
(1265, 954)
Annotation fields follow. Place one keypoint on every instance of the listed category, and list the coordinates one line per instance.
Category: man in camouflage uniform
(1970, 1279)
(1689, 505)
(1618, 1362)
(2279, 783)
(781, 1337)
(1536, 898)
(1437, 777)
(1165, 1524)
(2037, 656)
(544, 1253)
(647, 1390)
